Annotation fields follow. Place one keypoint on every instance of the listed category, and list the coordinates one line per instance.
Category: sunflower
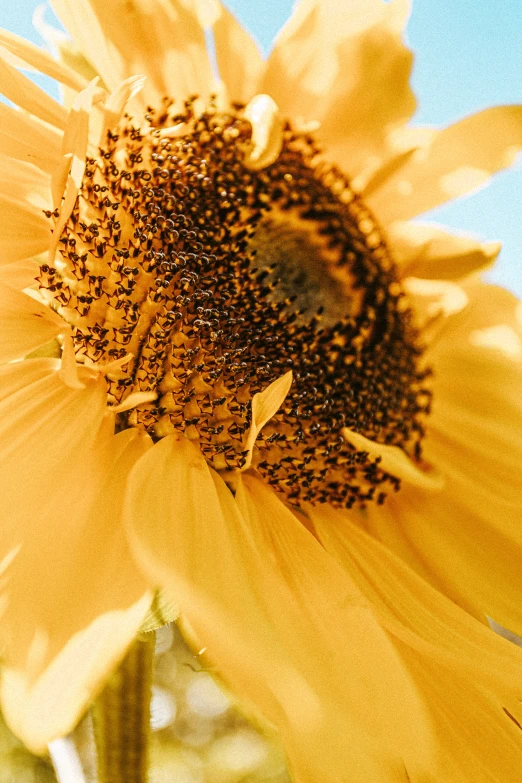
(250, 382)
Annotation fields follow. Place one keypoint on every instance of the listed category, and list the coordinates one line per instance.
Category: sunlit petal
(25, 324)
(238, 57)
(24, 93)
(32, 55)
(430, 251)
(345, 65)
(459, 159)
(26, 138)
(467, 540)
(165, 43)
(73, 598)
(235, 584)
(464, 670)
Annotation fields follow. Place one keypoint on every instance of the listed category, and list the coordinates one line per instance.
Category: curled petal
(267, 132)
(117, 101)
(68, 179)
(265, 404)
(393, 460)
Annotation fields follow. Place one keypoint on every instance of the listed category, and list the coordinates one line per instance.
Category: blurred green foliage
(198, 733)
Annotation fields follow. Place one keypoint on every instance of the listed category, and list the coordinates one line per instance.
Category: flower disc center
(301, 270)
(218, 279)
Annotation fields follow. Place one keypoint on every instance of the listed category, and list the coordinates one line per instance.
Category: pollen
(215, 279)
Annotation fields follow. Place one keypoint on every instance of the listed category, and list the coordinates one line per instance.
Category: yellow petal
(345, 65)
(477, 378)
(85, 28)
(73, 597)
(24, 93)
(75, 137)
(333, 611)
(164, 42)
(134, 399)
(24, 182)
(413, 610)
(117, 101)
(267, 132)
(429, 251)
(275, 615)
(469, 677)
(467, 539)
(25, 324)
(432, 302)
(173, 511)
(265, 404)
(28, 139)
(238, 57)
(459, 159)
(378, 171)
(303, 64)
(25, 230)
(64, 49)
(19, 275)
(370, 100)
(41, 710)
(38, 58)
(67, 180)
(394, 461)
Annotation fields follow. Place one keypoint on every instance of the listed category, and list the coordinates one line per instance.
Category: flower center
(218, 279)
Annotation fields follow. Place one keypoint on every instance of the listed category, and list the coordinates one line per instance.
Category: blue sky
(468, 56)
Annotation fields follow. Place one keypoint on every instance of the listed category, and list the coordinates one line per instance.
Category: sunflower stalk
(121, 717)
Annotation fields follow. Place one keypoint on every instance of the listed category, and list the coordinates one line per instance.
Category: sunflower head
(243, 320)
(206, 276)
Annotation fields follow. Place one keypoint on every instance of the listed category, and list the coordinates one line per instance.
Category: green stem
(121, 716)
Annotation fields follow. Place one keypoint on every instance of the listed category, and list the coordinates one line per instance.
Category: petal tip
(267, 132)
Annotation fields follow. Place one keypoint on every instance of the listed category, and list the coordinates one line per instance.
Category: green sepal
(160, 613)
